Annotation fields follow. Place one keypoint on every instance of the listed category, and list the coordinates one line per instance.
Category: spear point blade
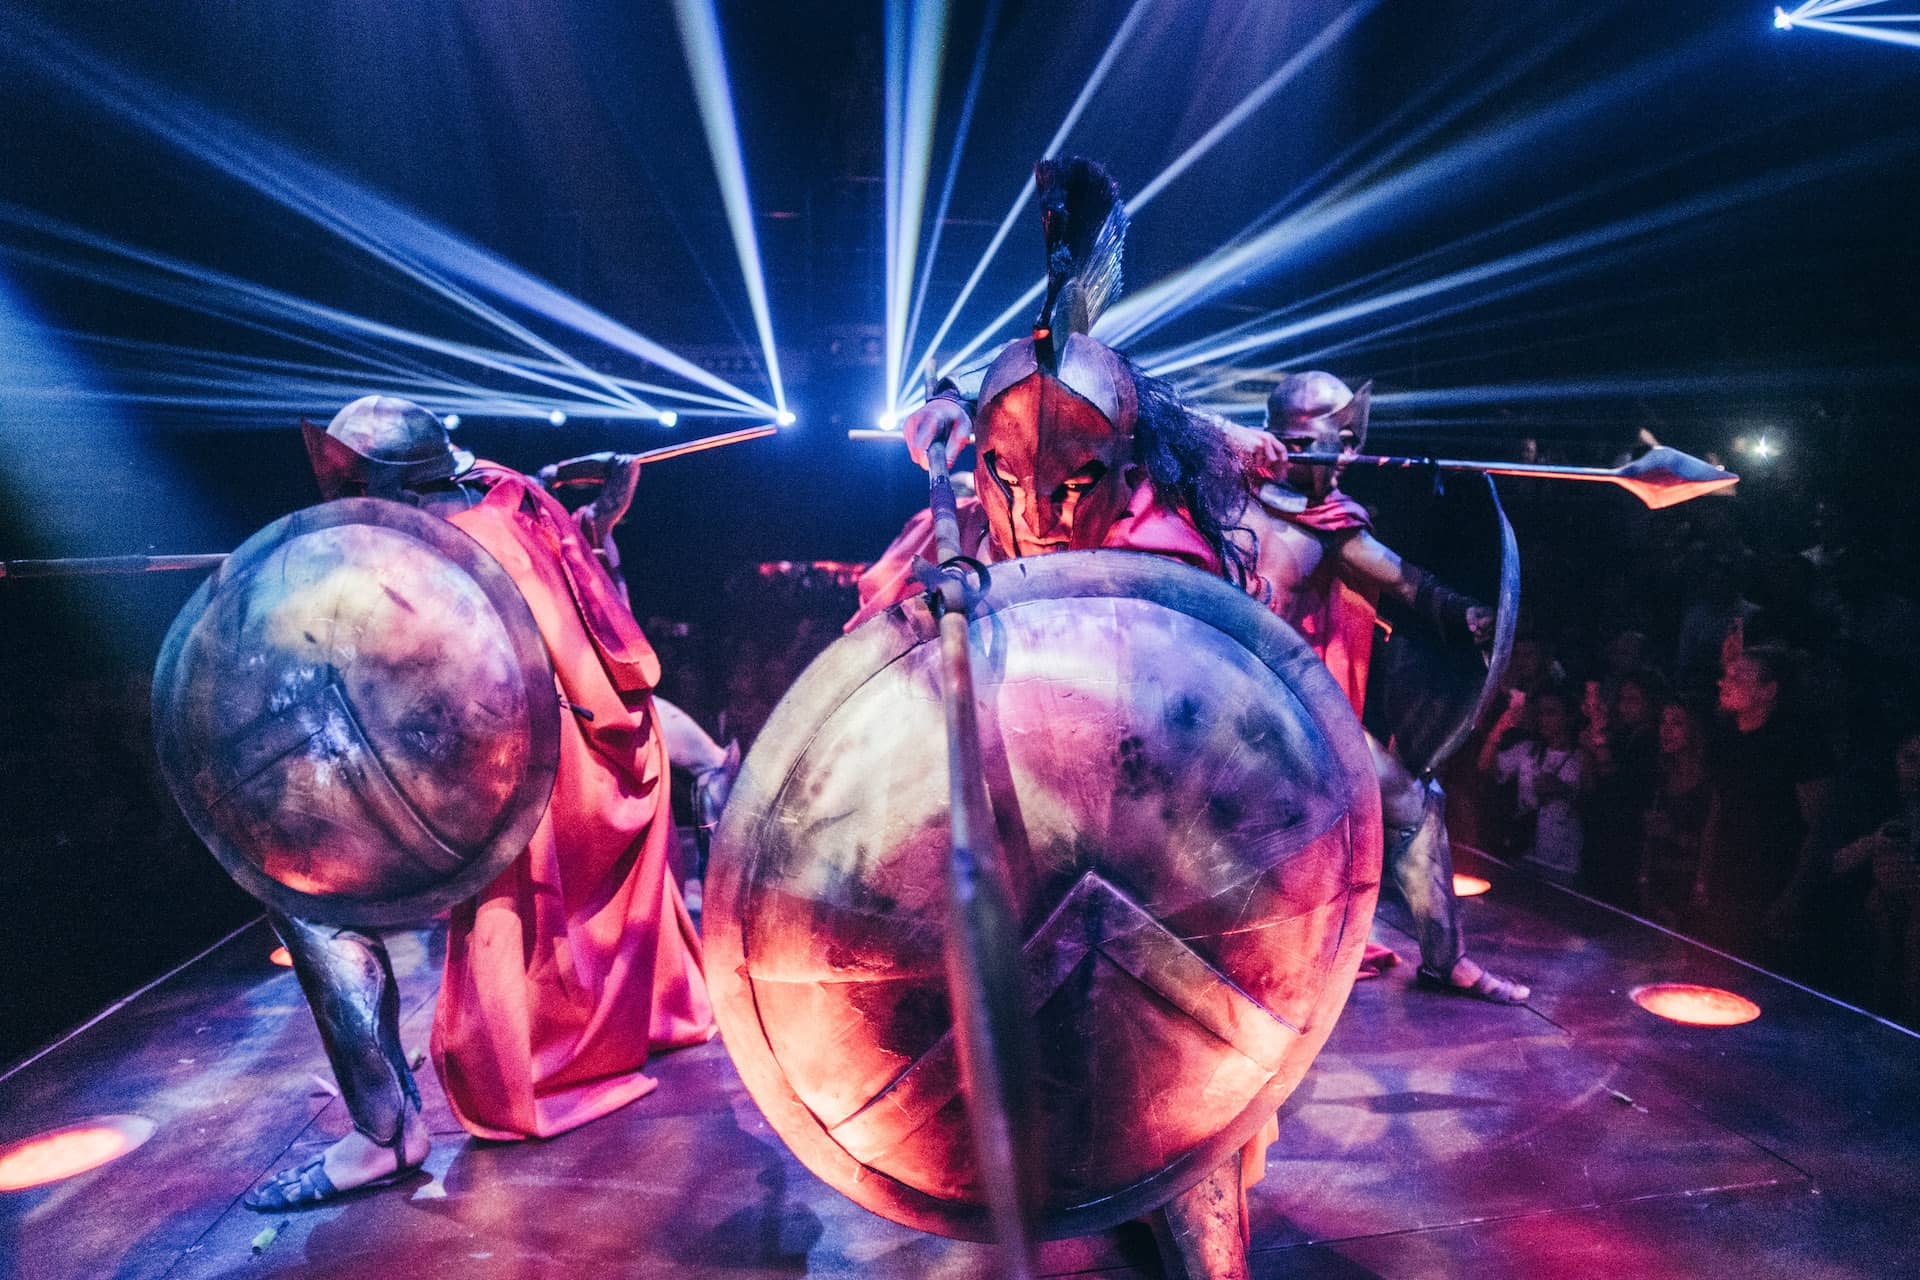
(1666, 477)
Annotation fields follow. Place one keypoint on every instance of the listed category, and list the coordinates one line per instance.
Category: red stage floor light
(67, 1152)
(1695, 1005)
(280, 957)
(1466, 886)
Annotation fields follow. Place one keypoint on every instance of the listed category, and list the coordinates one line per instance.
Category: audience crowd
(1712, 720)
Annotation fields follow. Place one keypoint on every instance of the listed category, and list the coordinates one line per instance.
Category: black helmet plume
(1085, 225)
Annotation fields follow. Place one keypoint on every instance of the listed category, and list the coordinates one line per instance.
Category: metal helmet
(383, 444)
(1190, 825)
(1320, 410)
(1055, 439)
(1054, 426)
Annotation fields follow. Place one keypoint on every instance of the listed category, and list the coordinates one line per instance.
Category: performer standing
(579, 959)
(1315, 551)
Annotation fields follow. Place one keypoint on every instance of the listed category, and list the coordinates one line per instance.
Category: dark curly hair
(1192, 469)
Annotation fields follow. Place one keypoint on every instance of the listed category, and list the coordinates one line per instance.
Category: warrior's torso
(1297, 564)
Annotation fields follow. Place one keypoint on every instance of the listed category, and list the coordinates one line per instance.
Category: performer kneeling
(1305, 547)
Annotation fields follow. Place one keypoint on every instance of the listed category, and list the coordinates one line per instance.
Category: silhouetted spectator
(1619, 760)
(1770, 785)
(1675, 818)
(1891, 855)
(1544, 765)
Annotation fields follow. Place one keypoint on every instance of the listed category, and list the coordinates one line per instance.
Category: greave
(1202, 1231)
(349, 984)
(1419, 873)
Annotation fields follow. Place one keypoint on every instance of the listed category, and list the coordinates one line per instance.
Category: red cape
(580, 957)
(1147, 525)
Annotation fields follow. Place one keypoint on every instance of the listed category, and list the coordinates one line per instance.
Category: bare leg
(713, 767)
(349, 984)
(688, 745)
(1202, 1231)
(1419, 882)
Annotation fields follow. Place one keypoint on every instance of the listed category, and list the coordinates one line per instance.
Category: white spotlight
(784, 418)
(668, 418)
(452, 420)
(1782, 20)
(887, 421)
(558, 417)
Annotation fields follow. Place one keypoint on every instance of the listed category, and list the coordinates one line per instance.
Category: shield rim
(887, 638)
(530, 650)
(1506, 626)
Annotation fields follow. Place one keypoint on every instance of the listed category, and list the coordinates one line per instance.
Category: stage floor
(1575, 1137)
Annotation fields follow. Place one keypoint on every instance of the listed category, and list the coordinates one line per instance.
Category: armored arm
(1373, 563)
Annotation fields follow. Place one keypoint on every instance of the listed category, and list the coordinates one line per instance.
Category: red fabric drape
(1335, 619)
(580, 958)
(1147, 525)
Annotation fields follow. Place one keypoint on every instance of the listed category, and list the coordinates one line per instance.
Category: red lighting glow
(1465, 886)
(1695, 1005)
(65, 1153)
(280, 957)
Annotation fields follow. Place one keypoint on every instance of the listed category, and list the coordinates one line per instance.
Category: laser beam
(447, 265)
(707, 64)
(916, 36)
(1019, 206)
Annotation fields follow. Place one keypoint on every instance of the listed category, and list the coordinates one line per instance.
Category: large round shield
(1185, 804)
(356, 712)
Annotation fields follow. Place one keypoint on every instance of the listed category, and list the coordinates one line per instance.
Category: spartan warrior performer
(1175, 482)
(1315, 551)
(579, 958)
(1086, 450)
(1169, 783)
(1078, 450)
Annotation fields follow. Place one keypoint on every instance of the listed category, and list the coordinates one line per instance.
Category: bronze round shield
(357, 713)
(1191, 825)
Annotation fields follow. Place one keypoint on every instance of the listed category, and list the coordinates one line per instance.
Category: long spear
(591, 468)
(86, 566)
(1660, 477)
(983, 952)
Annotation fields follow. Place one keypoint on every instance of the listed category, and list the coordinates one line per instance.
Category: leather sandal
(307, 1186)
(1488, 986)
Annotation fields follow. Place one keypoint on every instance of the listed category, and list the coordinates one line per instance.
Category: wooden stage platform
(1575, 1137)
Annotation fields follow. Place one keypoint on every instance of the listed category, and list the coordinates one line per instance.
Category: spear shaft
(94, 566)
(1660, 477)
(983, 953)
(88, 566)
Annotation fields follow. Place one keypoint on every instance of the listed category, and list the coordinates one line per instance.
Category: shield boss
(358, 715)
(1191, 824)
